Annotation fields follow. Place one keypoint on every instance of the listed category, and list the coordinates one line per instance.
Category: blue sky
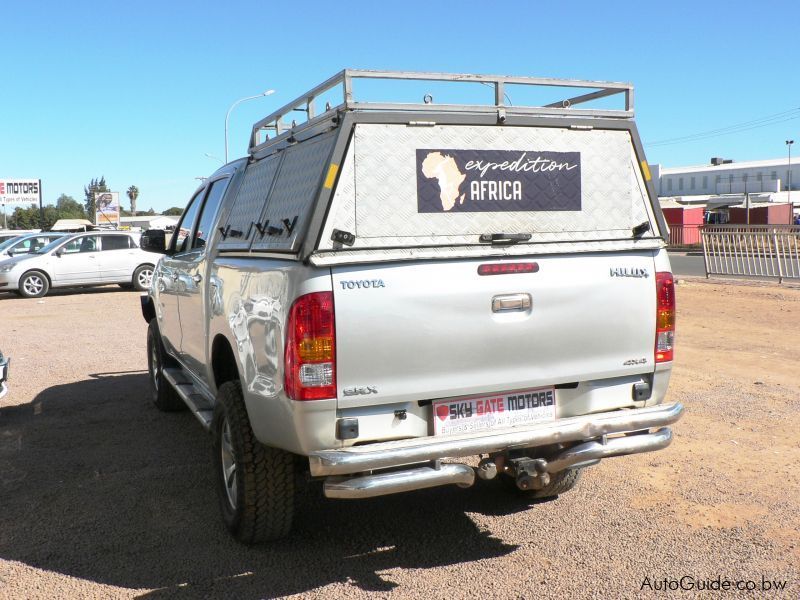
(137, 91)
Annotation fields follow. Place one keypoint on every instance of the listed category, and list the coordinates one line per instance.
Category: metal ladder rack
(274, 125)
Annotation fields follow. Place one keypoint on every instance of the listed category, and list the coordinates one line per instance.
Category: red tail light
(665, 317)
(310, 358)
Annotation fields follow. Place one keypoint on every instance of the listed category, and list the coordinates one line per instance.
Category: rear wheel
(142, 277)
(33, 284)
(255, 483)
(164, 396)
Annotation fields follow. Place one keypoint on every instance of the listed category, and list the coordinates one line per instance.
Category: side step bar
(197, 403)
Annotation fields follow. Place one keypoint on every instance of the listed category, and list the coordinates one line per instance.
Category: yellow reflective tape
(646, 170)
(332, 171)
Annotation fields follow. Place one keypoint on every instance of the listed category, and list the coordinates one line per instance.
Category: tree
(69, 208)
(89, 191)
(28, 218)
(133, 194)
(24, 218)
(175, 211)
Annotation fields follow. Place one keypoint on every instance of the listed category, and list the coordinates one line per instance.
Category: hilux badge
(629, 272)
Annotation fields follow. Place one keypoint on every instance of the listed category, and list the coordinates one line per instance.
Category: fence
(752, 250)
(684, 235)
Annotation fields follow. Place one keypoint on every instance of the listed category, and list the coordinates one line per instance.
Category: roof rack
(275, 124)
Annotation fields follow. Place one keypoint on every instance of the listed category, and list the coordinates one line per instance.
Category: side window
(204, 227)
(181, 241)
(72, 246)
(39, 242)
(116, 242)
(87, 243)
(31, 244)
(23, 247)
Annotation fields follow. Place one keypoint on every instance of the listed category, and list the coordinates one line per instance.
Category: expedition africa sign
(497, 180)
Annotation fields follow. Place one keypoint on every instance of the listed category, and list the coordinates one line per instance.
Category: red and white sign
(483, 413)
(19, 191)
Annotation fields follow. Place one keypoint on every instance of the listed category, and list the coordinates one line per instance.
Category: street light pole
(791, 206)
(227, 116)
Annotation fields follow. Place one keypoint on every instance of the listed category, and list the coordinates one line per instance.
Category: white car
(82, 259)
(7, 234)
(27, 243)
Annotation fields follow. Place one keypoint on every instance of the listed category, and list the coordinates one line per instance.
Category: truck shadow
(98, 485)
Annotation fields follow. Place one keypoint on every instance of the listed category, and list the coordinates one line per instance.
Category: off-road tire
(138, 280)
(560, 483)
(263, 503)
(33, 284)
(164, 395)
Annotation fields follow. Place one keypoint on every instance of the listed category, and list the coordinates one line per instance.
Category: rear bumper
(359, 459)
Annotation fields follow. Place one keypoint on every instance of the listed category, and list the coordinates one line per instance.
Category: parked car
(389, 285)
(27, 243)
(3, 374)
(82, 259)
(8, 234)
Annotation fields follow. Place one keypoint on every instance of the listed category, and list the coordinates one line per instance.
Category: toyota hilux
(395, 295)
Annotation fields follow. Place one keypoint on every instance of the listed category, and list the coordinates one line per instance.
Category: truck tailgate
(427, 330)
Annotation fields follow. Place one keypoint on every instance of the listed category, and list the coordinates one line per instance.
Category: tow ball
(531, 473)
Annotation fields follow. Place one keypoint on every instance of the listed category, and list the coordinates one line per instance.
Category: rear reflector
(505, 268)
(665, 317)
(310, 357)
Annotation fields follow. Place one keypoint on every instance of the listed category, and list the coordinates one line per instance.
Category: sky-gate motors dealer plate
(483, 413)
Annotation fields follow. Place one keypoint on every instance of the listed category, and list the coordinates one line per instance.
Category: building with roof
(723, 176)
(724, 184)
(73, 225)
(145, 222)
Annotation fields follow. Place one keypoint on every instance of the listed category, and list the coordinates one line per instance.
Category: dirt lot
(103, 496)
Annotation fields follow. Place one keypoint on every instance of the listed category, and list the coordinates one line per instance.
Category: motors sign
(19, 191)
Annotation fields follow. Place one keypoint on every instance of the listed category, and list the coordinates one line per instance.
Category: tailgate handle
(511, 302)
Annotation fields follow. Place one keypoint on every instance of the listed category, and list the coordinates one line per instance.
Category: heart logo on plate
(442, 411)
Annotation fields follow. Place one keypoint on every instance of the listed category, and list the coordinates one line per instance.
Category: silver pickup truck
(391, 296)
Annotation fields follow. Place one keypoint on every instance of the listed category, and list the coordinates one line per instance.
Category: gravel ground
(102, 496)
